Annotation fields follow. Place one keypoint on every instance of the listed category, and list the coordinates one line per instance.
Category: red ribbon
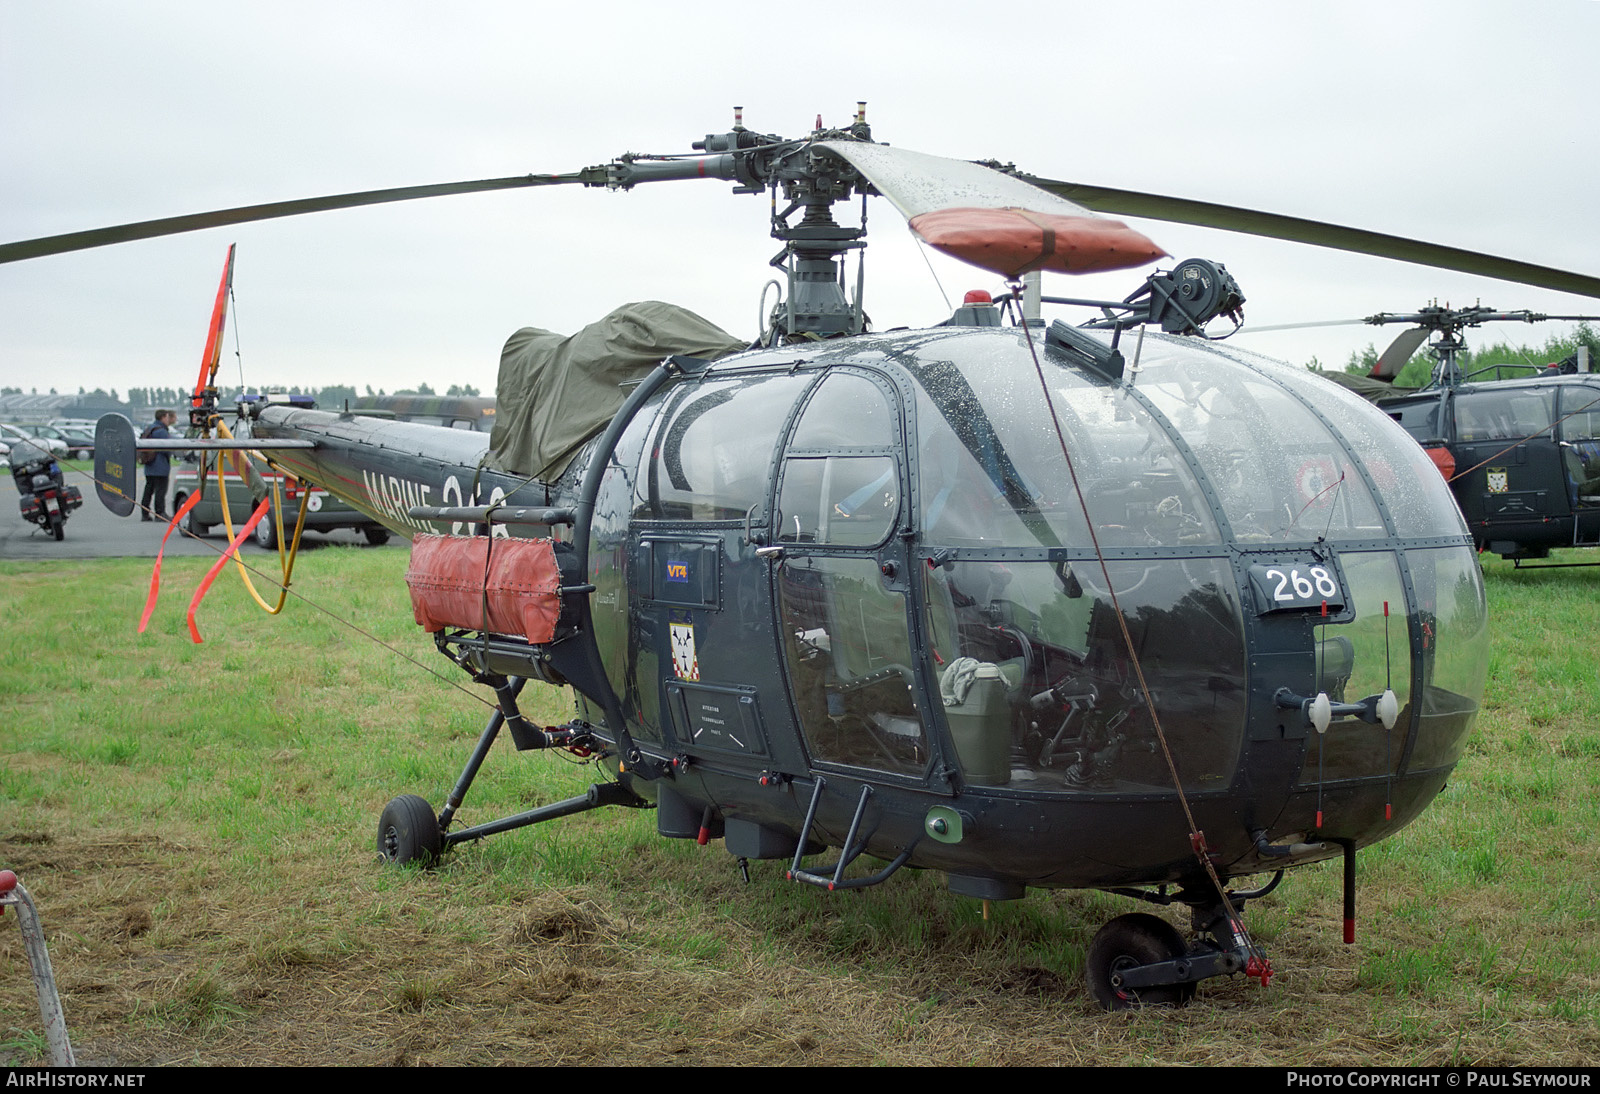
(211, 575)
(155, 575)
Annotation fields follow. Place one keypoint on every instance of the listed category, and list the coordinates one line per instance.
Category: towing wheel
(376, 536)
(1126, 943)
(408, 831)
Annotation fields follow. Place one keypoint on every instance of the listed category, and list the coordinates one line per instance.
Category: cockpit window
(1038, 688)
(1580, 412)
(1419, 502)
(992, 471)
(1580, 436)
(847, 410)
(712, 455)
(1455, 619)
(1279, 471)
(849, 501)
(846, 631)
(841, 477)
(1512, 414)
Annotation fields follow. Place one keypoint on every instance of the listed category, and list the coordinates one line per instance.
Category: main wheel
(408, 831)
(1126, 943)
(376, 536)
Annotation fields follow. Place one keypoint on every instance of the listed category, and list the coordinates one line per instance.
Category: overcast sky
(1467, 122)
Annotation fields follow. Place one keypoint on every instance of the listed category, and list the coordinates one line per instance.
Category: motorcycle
(46, 499)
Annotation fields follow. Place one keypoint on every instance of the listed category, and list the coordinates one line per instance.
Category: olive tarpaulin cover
(556, 391)
(1366, 387)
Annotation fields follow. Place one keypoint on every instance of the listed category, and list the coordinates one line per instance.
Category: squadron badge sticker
(1499, 483)
(685, 662)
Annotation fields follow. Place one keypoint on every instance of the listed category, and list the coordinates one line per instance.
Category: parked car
(324, 512)
(80, 443)
(11, 434)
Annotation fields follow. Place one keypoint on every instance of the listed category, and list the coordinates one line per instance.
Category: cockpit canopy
(927, 494)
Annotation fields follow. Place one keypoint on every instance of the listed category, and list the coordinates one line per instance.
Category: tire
(266, 533)
(58, 527)
(408, 831)
(189, 526)
(82, 454)
(376, 536)
(1126, 943)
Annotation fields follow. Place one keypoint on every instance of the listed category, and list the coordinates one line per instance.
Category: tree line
(331, 396)
(1496, 361)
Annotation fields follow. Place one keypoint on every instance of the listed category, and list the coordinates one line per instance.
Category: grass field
(196, 824)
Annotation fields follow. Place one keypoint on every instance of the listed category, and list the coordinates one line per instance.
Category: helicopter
(1522, 456)
(1032, 606)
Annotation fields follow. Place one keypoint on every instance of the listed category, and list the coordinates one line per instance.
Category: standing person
(157, 468)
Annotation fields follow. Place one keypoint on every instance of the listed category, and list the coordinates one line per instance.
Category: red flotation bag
(481, 583)
(1012, 241)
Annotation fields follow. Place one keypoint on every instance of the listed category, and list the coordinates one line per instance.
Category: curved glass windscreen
(1417, 496)
(1455, 630)
(1280, 472)
(712, 455)
(1039, 689)
(992, 463)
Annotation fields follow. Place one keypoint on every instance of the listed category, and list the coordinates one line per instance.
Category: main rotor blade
(194, 222)
(1251, 328)
(1393, 359)
(1273, 225)
(994, 220)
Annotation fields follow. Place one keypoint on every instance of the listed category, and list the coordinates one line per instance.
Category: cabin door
(1517, 472)
(1580, 448)
(707, 676)
(841, 582)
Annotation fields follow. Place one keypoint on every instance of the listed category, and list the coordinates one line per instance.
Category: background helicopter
(1168, 623)
(1522, 456)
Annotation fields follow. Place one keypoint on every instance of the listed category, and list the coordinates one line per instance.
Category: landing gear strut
(410, 831)
(1139, 960)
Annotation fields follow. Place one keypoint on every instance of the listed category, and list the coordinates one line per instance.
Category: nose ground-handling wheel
(1132, 942)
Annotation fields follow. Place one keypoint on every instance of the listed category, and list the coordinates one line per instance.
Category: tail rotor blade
(219, 314)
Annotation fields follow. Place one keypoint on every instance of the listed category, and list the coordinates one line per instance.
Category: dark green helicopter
(1522, 456)
(1108, 606)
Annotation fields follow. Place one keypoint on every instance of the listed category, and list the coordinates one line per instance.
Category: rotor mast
(811, 180)
(1448, 323)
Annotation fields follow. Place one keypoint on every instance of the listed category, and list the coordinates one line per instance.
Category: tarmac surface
(93, 532)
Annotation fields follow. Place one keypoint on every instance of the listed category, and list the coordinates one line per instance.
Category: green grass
(197, 824)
